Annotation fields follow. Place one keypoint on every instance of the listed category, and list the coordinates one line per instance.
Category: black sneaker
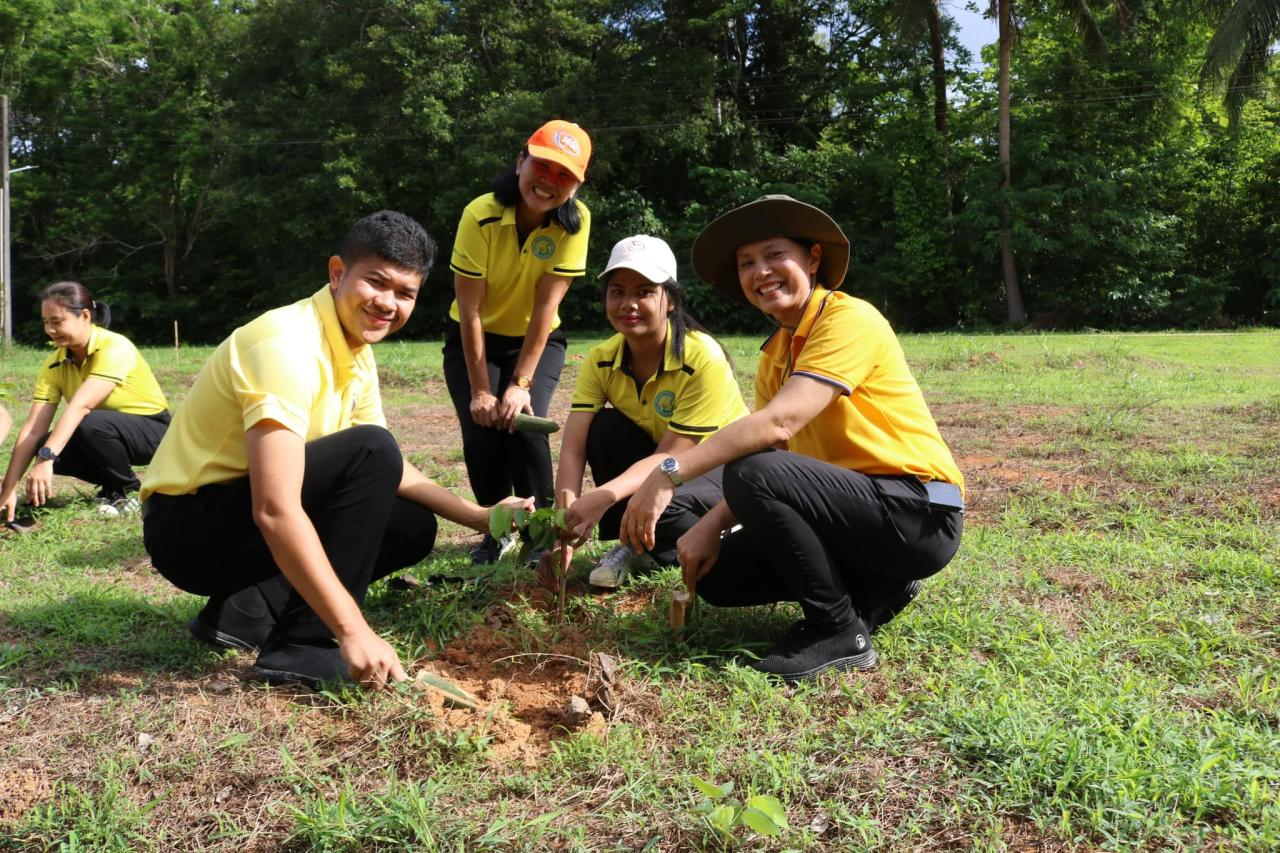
(808, 650)
(486, 552)
(296, 663)
(241, 620)
(882, 612)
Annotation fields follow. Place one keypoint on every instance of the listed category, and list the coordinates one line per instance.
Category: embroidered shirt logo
(665, 403)
(543, 247)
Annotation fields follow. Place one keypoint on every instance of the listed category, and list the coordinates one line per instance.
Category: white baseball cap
(649, 256)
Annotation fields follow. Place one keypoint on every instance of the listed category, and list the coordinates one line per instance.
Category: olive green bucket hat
(767, 216)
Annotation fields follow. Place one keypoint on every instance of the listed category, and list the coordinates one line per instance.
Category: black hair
(681, 320)
(506, 189)
(75, 297)
(392, 236)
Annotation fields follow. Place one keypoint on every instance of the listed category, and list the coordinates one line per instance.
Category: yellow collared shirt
(879, 424)
(292, 365)
(112, 357)
(696, 395)
(488, 247)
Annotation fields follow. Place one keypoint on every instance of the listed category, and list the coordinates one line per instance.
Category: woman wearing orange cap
(840, 493)
(516, 251)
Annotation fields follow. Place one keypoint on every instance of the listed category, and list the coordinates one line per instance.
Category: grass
(1096, 669)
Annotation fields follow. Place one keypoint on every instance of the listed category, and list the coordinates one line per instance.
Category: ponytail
(75, 297)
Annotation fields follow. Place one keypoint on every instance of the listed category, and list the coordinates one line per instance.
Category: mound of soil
(524, 695)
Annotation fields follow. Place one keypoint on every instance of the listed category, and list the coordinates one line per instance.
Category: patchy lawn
(1097, 669)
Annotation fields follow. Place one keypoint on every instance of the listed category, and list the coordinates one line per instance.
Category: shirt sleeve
(269, 385)
(706, 400)
(844, 346)
(48, 385)
(114, 361)
(571, 260)
(589, 392)
(470, 248)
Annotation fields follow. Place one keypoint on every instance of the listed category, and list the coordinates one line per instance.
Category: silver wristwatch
(671, 468)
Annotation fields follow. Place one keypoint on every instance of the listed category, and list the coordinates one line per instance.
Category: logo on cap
(566, 142)
(543, 247)
(635, 246)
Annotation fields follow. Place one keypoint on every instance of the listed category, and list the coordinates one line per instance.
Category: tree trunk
(1013, 294)
(940, 121)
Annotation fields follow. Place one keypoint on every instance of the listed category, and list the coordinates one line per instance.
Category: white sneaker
(127, 505)
(614, 566)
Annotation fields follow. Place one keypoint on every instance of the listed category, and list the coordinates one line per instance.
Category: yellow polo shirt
(696, 395)
(292, 365)
(111, 357)
(488, 247)
(880, 423)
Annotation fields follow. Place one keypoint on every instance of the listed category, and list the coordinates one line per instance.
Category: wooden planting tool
(681, 601)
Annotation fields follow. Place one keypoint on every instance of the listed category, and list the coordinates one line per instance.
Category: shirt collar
(509, 217)
(669, 360)
(345, 360)
(795, 339)
(64, 354)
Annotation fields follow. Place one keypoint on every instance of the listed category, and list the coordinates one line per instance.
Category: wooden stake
(566, 557)
(681, 600)
(176, 356)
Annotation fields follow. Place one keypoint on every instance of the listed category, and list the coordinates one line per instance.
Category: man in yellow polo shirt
(278, 491)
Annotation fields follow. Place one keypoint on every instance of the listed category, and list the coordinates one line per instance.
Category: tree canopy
(199, 161)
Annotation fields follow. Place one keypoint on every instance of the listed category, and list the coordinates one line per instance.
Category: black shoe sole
(218, 639)
(863, 661)
(285, 678)
(891, 608)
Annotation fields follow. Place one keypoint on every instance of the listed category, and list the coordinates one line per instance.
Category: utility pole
(5, 266)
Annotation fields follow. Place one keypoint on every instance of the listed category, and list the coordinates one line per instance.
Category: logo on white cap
(649, 256)
(566, 142)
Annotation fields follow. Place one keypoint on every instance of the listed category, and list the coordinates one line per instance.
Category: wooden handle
(680, 601)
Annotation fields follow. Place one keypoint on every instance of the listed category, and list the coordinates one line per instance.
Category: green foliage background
(199, 160)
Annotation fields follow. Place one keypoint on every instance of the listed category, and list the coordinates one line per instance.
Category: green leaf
(710, 789)
(726, 788)
(500, 521)
(760, 822)
(236, 740)
(722, 819)
(771, 807)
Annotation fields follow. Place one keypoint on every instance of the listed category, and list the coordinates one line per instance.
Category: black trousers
(833, 540)
(614, 444)
(207, 543)
(499, 463)
(106, 446)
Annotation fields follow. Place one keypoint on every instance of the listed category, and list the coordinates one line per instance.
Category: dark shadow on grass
(92, 633)
(127, 551)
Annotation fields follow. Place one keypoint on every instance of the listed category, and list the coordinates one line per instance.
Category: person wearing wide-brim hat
(845, 491)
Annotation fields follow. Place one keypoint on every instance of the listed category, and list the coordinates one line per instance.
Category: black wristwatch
(46, 453)
(671, 468)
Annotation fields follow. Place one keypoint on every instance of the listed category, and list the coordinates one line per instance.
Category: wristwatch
(46, 453)
(522, 382)
(671, 468)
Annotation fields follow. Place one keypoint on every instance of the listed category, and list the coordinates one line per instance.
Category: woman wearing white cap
(516, 252)
(846, 493)
(658, 387)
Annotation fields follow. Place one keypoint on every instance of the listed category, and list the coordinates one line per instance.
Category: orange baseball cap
(562, 142)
